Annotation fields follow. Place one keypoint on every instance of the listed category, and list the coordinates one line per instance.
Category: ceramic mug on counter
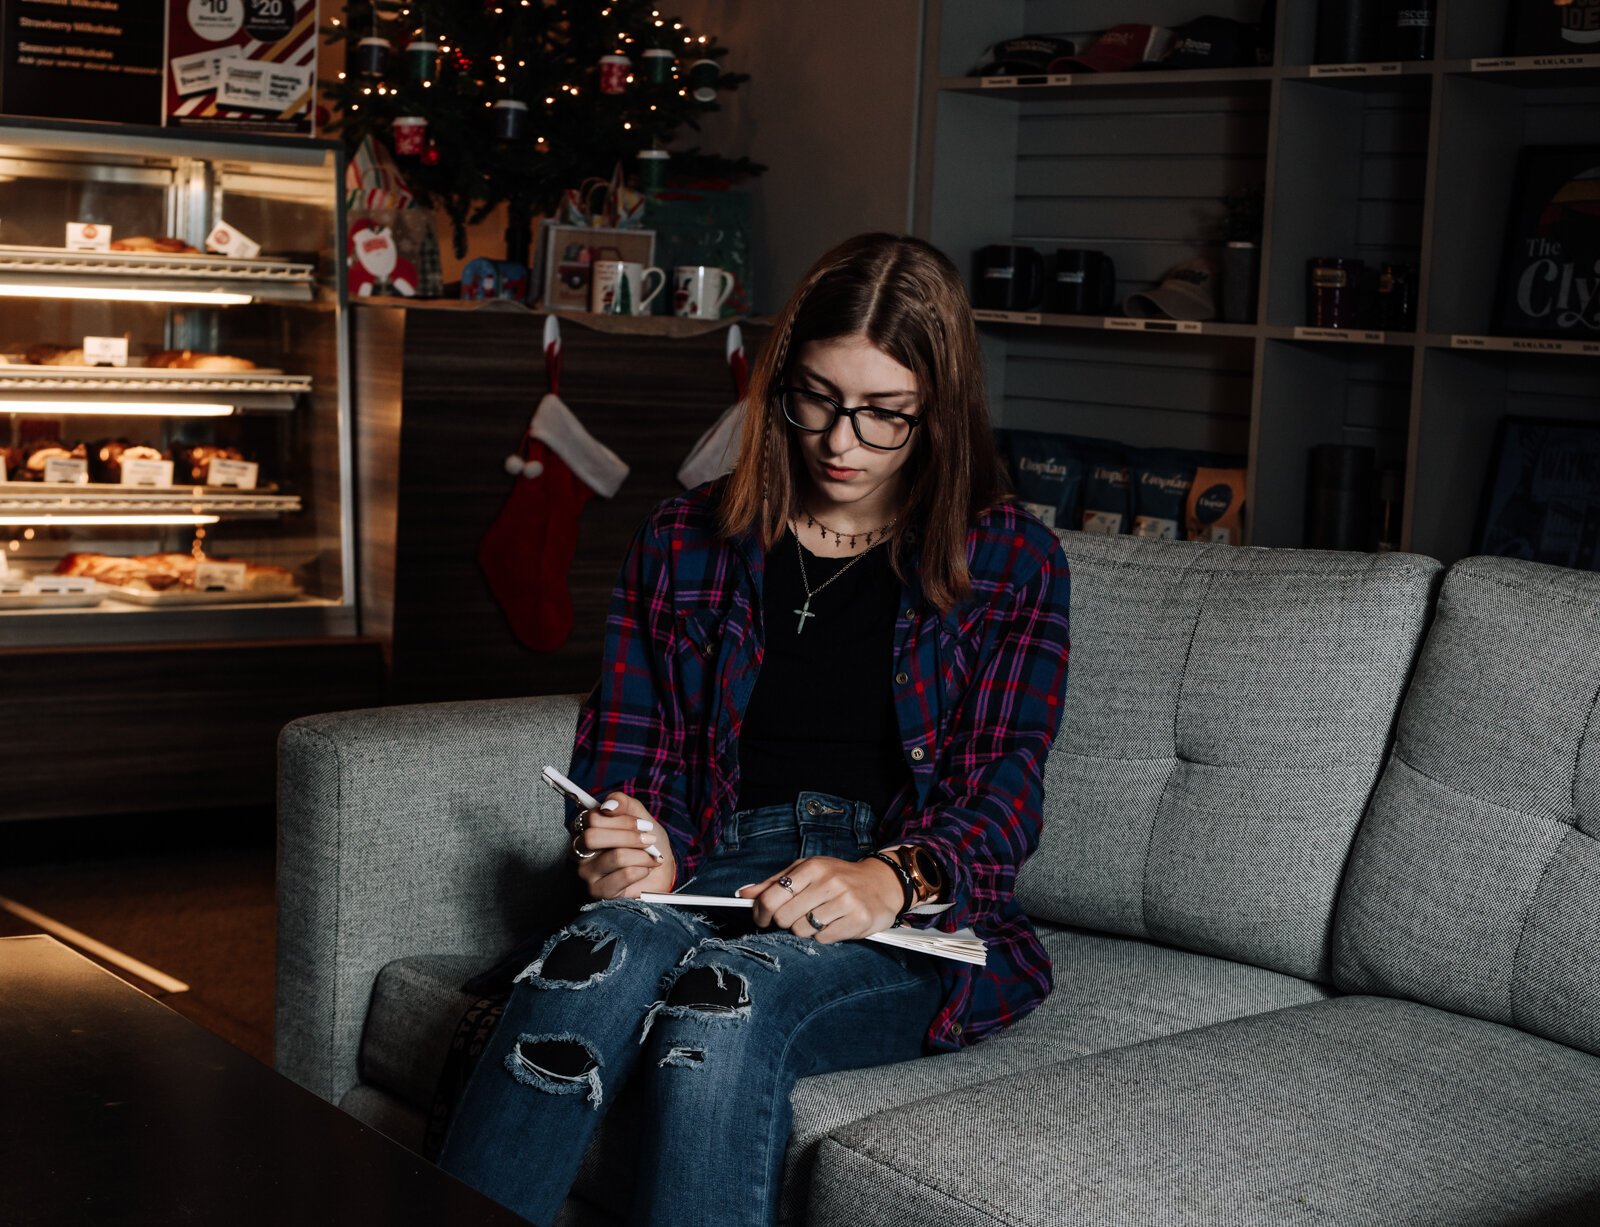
(699, 290)
(618, 288)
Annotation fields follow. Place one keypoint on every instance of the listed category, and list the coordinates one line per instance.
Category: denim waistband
(814, 811)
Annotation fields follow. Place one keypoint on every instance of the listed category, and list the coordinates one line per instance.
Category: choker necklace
(800, 553)
(839, 538)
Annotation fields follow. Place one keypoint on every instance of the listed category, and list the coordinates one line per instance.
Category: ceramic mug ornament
(618, 288)
(699, 290)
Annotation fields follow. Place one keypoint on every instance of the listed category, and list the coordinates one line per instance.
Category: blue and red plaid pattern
(978, 710)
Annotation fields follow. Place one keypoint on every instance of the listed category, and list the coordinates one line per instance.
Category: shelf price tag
(88, 236)
(1527, 345)
(1008, 317)
(3, 479)
(226, 241)
(238, 474)
(1117, 324)
(147, 473)
(105, 351)
(219, 577)
(1385, 69)
(1350, 336)
(72, 471)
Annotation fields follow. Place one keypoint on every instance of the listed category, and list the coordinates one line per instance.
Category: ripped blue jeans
(718, 1019)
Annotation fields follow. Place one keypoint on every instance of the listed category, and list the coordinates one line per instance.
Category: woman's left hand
(828, 899)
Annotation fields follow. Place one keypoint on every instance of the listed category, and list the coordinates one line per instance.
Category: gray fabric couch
(1320, 876)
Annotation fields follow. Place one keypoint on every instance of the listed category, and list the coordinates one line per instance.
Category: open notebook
(963, 945)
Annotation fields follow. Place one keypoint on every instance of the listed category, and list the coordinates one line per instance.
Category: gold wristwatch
(927, 879)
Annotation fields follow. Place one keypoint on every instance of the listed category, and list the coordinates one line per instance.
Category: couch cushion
(1475, 882)
(1109, 991)
(1226, 717)
(1354, 1110)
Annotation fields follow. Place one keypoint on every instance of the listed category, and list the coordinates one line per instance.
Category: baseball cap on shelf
(1120, 49)
(1187, 292)
(1015, 57)
(1211, 42)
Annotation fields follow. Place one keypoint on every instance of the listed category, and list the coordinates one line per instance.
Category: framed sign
(98, 61)
(568, 256)
(242, 65)
(1550, 279)
(1542, 499)
(1553, 27)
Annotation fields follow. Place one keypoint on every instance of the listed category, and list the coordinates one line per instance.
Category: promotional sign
(99, 60)
(242, 65)
(1550, 278)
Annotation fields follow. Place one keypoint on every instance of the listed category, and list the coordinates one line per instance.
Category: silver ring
(579, 852)
(812, 921)
(787, 883)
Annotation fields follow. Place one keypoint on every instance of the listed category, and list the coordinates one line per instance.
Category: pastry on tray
(36, 456)
(168, 572)
(159, 244)
(106, 457)
(196, 360)
(194, 463)
(45, 354)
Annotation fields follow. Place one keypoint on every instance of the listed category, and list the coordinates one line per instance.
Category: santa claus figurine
(376, 266)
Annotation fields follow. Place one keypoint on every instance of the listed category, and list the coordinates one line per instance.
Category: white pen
(567, 788)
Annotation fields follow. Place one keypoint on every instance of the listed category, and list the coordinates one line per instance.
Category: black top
(821, 716)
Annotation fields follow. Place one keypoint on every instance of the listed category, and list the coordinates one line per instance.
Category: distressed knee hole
(710, 988)
(689, 1058)
(558, 1064)
(579, 958)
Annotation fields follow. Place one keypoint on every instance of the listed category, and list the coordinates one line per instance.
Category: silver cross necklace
(805, 610)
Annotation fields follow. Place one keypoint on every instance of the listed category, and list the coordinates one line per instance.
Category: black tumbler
(1008, 277)
(1085, 282)
(1407, 30)
(1347, 31)
(1341, 498)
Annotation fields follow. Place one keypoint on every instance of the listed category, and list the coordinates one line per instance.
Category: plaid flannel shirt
(978, 710)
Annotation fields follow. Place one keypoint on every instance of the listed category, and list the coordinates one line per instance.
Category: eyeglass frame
(912, 420)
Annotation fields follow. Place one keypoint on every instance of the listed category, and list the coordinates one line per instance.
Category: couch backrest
(1474, 884)
(1226, 716)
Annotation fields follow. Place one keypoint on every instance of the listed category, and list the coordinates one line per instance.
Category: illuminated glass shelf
(47, 270)
(52, 499)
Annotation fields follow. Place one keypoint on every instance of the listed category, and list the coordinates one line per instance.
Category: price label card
(1350, 336)
(243, 84)
(239, 474)
(105, 351)
(147, 473)
(72, 471)
(219, 577)
(88, 236)
(12, 585)
(63, 585)
(226, 241)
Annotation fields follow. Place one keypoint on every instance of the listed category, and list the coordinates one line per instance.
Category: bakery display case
(174, 416)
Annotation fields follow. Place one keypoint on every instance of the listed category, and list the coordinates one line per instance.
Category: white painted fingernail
(655, 852)
(644, 824)
(746, 886)
(609, 806)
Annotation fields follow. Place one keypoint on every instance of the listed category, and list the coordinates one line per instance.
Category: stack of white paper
(963, 945)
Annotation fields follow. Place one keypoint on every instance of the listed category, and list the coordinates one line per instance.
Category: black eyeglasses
(814, 413)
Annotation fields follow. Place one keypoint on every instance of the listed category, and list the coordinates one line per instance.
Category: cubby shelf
(1407, 163)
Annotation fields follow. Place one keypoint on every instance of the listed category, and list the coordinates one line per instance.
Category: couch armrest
(402, 831)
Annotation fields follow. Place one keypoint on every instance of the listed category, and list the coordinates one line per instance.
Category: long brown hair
(906, 298)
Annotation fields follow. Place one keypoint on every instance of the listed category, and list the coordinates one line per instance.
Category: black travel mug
(1347, 31)
(1341, 498)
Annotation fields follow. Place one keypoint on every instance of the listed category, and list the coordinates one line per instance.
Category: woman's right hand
(623, 869)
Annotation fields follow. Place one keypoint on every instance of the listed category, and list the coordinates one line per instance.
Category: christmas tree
(515, 101)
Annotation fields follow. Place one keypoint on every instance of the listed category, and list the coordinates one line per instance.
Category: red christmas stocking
(528, 550)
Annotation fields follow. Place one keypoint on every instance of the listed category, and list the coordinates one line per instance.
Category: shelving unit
(282, 311)
(1408, 163)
